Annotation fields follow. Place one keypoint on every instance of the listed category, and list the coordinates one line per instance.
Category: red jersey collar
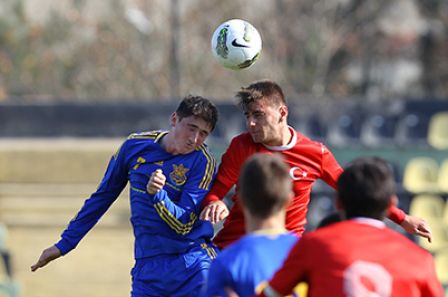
(288, 146)
(369, 221)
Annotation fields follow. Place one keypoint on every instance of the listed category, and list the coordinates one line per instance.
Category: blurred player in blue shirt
(246, 265)
(169, 174)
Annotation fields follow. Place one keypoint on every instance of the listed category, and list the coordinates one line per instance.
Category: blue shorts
(180, 275)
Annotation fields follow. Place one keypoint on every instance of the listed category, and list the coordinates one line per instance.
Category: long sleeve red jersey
(308, 161)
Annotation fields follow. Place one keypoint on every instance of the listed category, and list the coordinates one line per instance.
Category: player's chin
(257, 137)
(188, 149)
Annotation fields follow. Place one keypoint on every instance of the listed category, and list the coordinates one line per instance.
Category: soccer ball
(236, 44)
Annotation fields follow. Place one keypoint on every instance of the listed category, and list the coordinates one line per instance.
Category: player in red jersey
(359, 256)
(266, 112)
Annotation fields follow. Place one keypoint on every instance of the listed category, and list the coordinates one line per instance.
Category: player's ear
(283, 112)
(173, 119)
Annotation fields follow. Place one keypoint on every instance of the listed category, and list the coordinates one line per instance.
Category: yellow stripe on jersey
(205, 247)
(172, 221)
(172, 186)
(213, 252)
(144, 135)
(138, 190)
(301, 289)
(161, 134)
(210, 251)
(209, 170)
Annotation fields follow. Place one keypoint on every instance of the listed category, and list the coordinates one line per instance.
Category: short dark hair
(329, 219)
(199, 107)
(265, 184)
(366, 187)
(263, 89)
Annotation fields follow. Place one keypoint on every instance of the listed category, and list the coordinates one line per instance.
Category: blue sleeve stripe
(209, 170)
(172, 221)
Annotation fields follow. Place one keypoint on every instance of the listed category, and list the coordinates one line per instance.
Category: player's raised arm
(48, 255)
(214, 209)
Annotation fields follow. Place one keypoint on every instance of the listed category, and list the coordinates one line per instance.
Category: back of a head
(365, 188)
(199, 107)
(263, 89)
(265, 185)
(330, 219)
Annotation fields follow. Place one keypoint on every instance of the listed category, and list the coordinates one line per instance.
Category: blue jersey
(248, 264)
(164, 223)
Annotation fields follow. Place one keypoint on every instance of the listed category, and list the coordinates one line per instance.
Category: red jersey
(308, 160)
(359, 257)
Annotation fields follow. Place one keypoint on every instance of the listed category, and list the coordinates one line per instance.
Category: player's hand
(417, 226)
(214, 212)
(156, 182)
(47, 256)
(230, 292)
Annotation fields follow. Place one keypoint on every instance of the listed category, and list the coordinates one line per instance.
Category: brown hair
(263, 89)
(199, 107)
(265, 185)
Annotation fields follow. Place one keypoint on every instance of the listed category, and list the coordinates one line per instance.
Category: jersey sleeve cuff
(64, 246)
(218, 192)
(396, 215)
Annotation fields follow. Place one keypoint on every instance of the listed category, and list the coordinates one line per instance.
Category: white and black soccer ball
(236, 44)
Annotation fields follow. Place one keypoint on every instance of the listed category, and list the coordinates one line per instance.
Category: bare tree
(161, 49)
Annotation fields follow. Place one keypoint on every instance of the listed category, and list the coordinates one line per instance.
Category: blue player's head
(366, 188)
(191, 123)
(198, 107)
(265, 186)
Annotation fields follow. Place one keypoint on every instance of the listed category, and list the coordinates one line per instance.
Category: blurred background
(78, 76)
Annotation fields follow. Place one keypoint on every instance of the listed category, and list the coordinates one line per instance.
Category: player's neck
(276, 222)
(167, 143)
(282, 138)
(287, 135)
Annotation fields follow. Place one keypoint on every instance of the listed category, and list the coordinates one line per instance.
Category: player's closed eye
(259, 115)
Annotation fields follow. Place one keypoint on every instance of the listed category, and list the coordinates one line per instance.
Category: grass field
(43, 183)
(99, 267)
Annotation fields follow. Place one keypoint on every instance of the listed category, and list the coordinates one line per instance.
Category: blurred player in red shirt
(359, 256)
(266, 112)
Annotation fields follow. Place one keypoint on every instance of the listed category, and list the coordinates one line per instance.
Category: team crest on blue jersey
(178, 174)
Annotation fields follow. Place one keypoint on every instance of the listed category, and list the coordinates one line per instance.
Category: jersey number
(367, 279)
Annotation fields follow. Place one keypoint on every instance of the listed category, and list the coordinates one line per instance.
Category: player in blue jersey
(246, 265)
(169, 174)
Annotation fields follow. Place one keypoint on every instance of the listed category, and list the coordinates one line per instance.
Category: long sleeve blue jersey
(164, 223)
